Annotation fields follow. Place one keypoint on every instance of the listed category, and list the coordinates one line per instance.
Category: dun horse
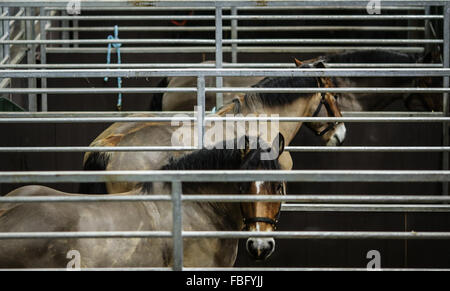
(283, 105)
(172, 101)
(149, 216)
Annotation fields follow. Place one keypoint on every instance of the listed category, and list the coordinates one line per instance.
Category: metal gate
(34, 30)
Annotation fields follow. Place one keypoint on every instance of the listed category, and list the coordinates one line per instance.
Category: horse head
(262, 216)
(333, 133)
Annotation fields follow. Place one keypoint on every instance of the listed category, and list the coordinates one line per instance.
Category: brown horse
(149, 216)
(173, 101)
(162, 134)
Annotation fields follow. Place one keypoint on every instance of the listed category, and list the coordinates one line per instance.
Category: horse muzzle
(339, 135)
(260, 248)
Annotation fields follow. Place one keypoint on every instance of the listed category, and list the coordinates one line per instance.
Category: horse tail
(96, 161)
(156, 104)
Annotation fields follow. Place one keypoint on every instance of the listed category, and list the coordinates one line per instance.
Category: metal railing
(43, 71)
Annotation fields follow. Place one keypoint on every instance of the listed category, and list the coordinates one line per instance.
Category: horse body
(172, 101)
(139, 216)
(162, 134)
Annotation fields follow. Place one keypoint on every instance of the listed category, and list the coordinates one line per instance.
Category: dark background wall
(289, 253)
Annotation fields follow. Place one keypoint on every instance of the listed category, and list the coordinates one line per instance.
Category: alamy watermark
(223, 134)
(73, 7)
(75, 260)
(375, 260)
(373, 7)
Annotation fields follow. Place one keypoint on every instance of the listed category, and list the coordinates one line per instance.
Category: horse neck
(228, 214)
(298, 108)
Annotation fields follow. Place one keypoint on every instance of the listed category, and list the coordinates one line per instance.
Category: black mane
(219, 159)
(371, 57)
(278, 99)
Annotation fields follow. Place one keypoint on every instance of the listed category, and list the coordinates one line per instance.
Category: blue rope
(117, 46)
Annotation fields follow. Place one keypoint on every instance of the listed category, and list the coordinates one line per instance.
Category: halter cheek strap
(330, 112)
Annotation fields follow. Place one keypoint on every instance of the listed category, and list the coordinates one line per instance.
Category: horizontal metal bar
(318, 234)
(241, 49)
(230, 234)
(227, 72)
(73, 114)
(229, 119)
(219, 3)
(243, 8)
(305, 199)
(332, 149)
(364, 208)
(225, 41)
(68, 149)
(212, 65)
(226, 175)
(243, 28)
(224, 17)
(97, 90)
(215, 90)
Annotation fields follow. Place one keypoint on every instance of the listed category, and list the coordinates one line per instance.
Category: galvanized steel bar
(31, 59)
(321, 149)
(230, 234)
(209, 118)
(220, 89)
(243, 49)
(225, 41)
(364, 208)
(234, 34)
(445, 97)
(305, 199)
(209, 65)
(74, 114)
(226, 175)
(43, 52)
(177, 229)
(227, 72)
(222, 3)
(243, 28)
(201, 103)
(219, 54)
(224, 17)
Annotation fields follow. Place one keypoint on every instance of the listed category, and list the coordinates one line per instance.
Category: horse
(287, 104)
(174, 101)
(150, 216)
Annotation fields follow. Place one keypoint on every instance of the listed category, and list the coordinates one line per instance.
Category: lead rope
(117, 46)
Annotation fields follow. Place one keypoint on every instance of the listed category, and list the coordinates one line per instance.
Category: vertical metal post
(2, 34)
(234, 35)
(427, 30)
(177, 230)
(219, 54)
(43, 49)
(200, 110)
(31, 58)
(6, 32)
(445, 101)
(75, 32)
(64, 23)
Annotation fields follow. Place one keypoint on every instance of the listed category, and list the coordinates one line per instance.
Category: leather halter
(331, 125)
(248, 220)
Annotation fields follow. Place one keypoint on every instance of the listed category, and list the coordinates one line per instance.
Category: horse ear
(298, 63)
(279, 141)
(244, 141)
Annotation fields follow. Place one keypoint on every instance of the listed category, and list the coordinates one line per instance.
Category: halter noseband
(248, 220)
